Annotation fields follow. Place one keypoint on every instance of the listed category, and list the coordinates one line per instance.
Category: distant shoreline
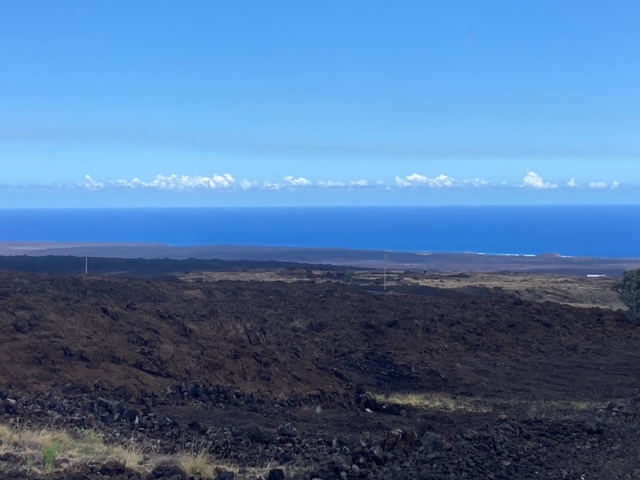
(424, 261)
(593, 232)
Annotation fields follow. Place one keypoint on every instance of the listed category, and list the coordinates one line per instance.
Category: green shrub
(50, 454)
(629, 291)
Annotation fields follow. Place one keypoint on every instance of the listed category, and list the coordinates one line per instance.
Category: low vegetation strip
(131, 267)
(449, 403)
(46, 451)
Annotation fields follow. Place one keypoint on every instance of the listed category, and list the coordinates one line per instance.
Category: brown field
(578, 291)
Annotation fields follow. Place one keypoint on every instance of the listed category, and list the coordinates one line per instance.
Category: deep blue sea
(599, 231)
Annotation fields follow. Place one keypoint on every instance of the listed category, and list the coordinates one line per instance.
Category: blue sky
(157, 103)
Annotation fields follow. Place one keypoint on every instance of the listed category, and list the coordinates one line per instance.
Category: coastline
(424, 261)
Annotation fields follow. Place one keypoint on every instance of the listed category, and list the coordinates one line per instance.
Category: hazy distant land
(434, 262)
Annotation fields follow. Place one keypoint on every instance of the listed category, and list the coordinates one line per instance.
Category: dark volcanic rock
(287, 375)
(21, 325)
(275, 474)
(226, 476)
(168, 471)
(111, 469)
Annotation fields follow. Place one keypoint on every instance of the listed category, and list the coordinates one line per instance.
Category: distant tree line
(153, 267)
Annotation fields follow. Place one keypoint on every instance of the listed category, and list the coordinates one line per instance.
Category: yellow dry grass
(435, 401)
(198, 464)
(445, 402)
(69, 448)
(43, 448)
(201, 464)
(570, 290)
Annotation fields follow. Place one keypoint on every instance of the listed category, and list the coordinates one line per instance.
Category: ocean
(596, 231)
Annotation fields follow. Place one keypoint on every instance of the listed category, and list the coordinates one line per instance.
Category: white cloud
(271, 186)
(330, 184)
(296, 182)
(246, 184)
(533, 180)
(602, 185)
(226, 181)
(339, 184)
(415, 179)
(476, 182)
(181, 182)
(91, 184)
(135, 183)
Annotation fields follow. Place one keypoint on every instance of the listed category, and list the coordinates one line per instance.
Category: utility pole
(86, 264)
(384, 281)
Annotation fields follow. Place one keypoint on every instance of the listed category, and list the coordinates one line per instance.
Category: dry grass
(41, 449)
(570, 290)
(444, 402)
(66, 449)
(575, 290)
(49, 449)
(197, 464)
(130, 456)
(435, 401)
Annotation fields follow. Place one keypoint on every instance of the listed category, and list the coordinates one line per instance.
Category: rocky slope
(289, 373)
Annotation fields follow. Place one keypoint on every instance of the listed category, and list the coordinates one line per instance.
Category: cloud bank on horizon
(229, 190)
(532, 180)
